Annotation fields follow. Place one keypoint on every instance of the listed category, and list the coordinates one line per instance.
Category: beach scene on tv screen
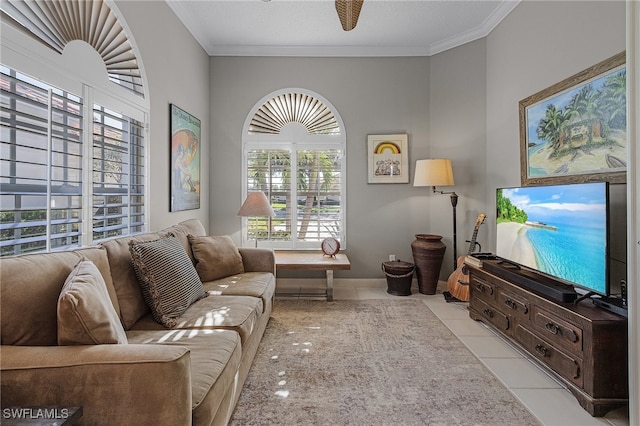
(560, 230)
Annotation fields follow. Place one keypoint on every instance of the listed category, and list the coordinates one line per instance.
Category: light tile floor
(546, 398)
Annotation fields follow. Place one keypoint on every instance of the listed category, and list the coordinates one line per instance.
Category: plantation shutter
(118, 174)
(319, 194)
(269, 171)
(41, 167)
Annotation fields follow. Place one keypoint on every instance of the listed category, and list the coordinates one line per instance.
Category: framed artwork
(185, 160)
(575, 131)
(388, 158)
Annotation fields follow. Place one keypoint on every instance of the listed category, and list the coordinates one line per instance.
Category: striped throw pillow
(168, 279)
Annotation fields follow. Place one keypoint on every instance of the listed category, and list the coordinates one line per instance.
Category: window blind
(304, 188)
(118, 174)
(41, 141)
(45, 203)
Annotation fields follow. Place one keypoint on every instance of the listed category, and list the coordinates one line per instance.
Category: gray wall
(533, 48)
(461, 104)
(176, 71)
(458, 131)
(373, 96)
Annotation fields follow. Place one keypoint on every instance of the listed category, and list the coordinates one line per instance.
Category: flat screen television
(558, 230)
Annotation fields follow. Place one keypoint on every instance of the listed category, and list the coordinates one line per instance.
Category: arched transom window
(294, 152)
(55, 23)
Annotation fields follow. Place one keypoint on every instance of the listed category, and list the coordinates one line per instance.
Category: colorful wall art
(185, 160)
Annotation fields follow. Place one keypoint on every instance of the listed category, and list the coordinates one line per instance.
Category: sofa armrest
(258, 259)
(115, 384)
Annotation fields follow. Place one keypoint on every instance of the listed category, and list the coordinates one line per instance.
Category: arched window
(294, 152)
(74, 127)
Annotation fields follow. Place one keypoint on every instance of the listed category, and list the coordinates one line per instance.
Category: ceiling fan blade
(348, 12)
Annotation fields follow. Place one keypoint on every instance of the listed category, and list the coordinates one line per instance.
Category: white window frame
(294, 137)
(80, 71)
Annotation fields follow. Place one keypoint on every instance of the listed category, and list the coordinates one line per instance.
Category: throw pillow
(216, 257)
(86, 315)
(169, 282)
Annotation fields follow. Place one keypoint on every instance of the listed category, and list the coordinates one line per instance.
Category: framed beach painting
(388, 158)
(185, 160)
(575, 131)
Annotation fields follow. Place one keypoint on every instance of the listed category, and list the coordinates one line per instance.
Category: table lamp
(256, 205)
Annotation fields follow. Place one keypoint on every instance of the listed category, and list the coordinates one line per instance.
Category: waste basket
(399, 275)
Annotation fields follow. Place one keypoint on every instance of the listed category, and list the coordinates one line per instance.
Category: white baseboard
(321, 283)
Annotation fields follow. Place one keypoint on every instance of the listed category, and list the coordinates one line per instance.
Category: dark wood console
(585, 347)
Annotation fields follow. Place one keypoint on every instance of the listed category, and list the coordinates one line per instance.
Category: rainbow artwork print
(388, 160)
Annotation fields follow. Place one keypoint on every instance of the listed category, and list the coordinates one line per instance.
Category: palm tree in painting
(551, 125)
(587, 103)
(614, 100)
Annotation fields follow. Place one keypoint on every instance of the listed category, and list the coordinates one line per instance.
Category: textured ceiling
(312, 27)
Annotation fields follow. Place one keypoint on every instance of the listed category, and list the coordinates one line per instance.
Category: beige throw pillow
(169, 282)
(86, 315)
(216, 257)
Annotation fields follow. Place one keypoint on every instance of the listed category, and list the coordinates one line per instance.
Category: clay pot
(428, 252)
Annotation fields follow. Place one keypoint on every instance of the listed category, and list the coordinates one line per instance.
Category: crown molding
(473, 34)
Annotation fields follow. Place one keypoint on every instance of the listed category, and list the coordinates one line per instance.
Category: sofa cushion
(182, 230)
(125, 281)
(237, 313)
(215, 359)
(216, 257)
(256, 284)
(169, 282)
(31, 285)
(86, 315)
(98, 255)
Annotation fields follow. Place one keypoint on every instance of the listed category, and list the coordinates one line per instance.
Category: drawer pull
(481, 287)
(554, 329)
(542, 350)
(576, 372)
(571, 335)
(513, 304)
(488, 312)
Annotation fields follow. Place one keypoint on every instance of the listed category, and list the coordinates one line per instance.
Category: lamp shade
(256, 205)
(433, 172)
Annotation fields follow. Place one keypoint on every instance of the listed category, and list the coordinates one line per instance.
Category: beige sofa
(189, 374)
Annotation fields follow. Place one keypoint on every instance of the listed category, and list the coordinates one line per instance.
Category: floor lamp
(438, 172)
(256, 205)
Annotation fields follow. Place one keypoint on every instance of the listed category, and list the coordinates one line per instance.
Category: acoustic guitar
(458, 282)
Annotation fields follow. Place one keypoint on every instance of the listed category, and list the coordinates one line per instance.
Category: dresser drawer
(557, 330)
(568, 366)
(514, 304)
(482, 288)
(491, 314)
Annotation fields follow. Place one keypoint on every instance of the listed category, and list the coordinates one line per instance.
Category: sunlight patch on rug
(373, 362)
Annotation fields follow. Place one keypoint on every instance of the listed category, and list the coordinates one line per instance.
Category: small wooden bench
(313, 261)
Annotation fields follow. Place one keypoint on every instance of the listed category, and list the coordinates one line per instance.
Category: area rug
(369, 362)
